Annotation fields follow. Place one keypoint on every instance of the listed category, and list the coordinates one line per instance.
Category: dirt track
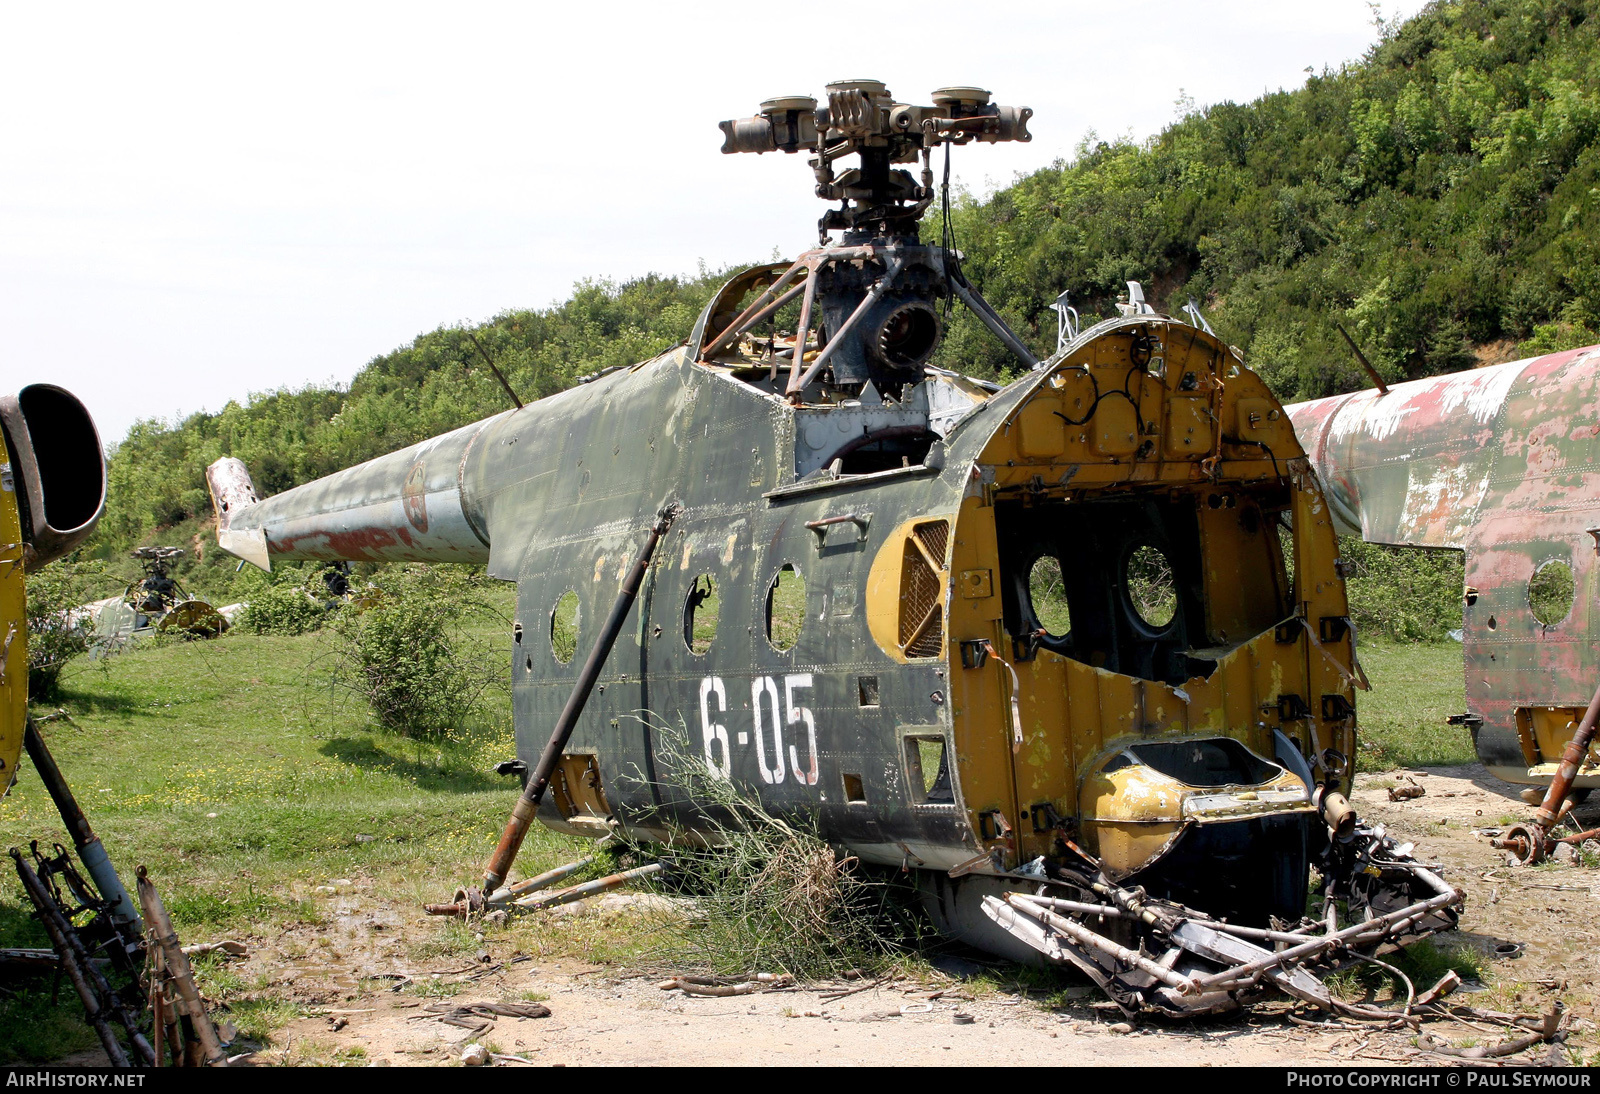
(620, 1017)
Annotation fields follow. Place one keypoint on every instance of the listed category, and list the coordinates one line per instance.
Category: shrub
(1403, 593)
(282, 609)
(772, 895)
(55, 633)
(410, 657)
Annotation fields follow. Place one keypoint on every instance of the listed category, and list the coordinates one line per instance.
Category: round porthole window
(1550, 593)
(1152, 589)
(1047, 592)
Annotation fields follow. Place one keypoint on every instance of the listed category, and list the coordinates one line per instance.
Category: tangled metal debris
(96, 934)
(1146, 952)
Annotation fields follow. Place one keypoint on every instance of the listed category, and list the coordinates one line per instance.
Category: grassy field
(1402, 719)
(230, 771)
(226, 770)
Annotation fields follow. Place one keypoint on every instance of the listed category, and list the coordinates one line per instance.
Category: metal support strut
(90, 849)
(527, 806)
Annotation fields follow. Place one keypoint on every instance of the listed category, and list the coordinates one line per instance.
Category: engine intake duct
(57, 470)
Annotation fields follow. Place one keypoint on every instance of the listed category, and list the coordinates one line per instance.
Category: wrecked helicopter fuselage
(1045, 640)
(1503, 464)
(154, 604)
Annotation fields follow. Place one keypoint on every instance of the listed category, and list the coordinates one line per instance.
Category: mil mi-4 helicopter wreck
(155, 604)
(1138, 782)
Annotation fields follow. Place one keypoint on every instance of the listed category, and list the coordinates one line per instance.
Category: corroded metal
(527, 806)
(188, 1011)
(883, 660)
(102, 1003)
(1502, 463)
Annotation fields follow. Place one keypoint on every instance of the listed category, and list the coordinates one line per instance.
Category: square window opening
(928, 771)
(867, 690)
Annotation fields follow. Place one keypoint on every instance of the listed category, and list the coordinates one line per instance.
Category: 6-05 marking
(770, 758)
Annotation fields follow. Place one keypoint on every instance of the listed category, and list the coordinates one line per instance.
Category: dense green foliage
(1440, 198)
(283, 608)
(411, 656)
(1400, 593)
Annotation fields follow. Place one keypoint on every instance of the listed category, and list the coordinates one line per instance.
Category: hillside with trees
(1440, 198)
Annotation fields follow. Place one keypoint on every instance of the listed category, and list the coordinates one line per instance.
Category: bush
(55, 634)
(772, 895)
(282, 609)
(409, 656)
(1403, 593)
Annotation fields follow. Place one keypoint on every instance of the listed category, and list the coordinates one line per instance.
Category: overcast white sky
(200, 202)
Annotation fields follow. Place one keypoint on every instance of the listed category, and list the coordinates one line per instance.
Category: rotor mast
(870, 298)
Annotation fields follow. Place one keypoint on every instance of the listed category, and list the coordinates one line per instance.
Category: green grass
(786, 607)
(231, 770)
(1402, 719)
(224, 767)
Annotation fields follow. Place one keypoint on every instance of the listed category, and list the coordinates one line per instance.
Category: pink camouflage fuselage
(1502, 463)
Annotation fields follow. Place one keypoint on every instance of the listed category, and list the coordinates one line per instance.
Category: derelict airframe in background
(1035, 772)
(1499, 462)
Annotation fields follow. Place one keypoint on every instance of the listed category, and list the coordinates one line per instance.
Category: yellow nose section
(1139, 799)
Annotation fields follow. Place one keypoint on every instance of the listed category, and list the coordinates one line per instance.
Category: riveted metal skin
(1502, 463)
(870, 723)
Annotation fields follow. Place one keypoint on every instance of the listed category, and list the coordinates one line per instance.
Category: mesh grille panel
(934, 535)
(920, 586)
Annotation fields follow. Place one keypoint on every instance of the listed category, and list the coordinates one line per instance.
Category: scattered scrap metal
(1181, 962)
(96, 934)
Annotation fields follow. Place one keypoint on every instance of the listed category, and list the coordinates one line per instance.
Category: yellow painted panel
(1189, 431)
(13, 628)
(1042, 433)
(1116, 428)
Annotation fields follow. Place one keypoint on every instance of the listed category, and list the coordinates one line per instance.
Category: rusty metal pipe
(1078, 906)
(527, 806)
(1579, 837)
(1571, 760)
(1382, 924)
(588, 888)
(803, 331)
(182, 976)
(90, 849)
(542, 881)
(68, 961)
(1082, 935)
(757, 310)
(98, 997)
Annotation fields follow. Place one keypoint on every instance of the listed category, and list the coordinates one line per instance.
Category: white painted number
(772, 773)
(796, 716)
(769, 722)
(715, 732)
